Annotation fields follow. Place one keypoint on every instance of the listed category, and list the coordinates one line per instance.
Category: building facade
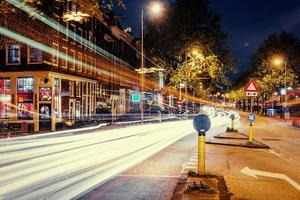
(57, 71)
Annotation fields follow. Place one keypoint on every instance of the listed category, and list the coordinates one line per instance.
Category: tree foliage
(268, 76)
(188, 25)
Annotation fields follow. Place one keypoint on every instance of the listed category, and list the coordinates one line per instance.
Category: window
(84, 65)
(89, 63)
(71, 88)
(57, 98)
(78, 89)
(81, 35)
(72, 64)
(63, 61)
(79, 63)
(72, 33)
(45, 94)
(5, 98)
(25, 97)
(55, 54)
(13, 55)
(34, 56)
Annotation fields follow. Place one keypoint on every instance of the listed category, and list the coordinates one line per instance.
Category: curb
(263, 146)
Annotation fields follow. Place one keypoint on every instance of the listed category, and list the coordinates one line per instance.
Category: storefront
(46, 100)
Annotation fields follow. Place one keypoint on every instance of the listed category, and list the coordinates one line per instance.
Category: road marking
(148, 176)
(254, 173)
(282, 156)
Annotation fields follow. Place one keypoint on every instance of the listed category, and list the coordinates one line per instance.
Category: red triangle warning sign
(251, 87)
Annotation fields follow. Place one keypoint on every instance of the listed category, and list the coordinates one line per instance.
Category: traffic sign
(136, 98)
(179, 102)
(201, 123)
(251, 87)
(251, 94)
(251, 117)
(232, 116)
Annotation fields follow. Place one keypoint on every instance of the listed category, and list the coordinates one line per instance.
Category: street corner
(236, 139)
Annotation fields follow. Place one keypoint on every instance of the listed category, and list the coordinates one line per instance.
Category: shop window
(5, 98)
(45, 94)
(35, 56)
(45, 111)
(57, 98)
(25, 97)
(13, 55)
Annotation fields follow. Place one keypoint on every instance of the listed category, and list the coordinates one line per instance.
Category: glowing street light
(279, 61)
(155, 9)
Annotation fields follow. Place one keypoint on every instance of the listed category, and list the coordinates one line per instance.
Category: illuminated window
(13, 55)
(45, 111)
(57, 98)
(89, 67)
(25, 97)
(5, 98)
(84, 64)
(45, 94)
(34, 56)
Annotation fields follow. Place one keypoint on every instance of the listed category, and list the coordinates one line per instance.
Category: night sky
(247, 22)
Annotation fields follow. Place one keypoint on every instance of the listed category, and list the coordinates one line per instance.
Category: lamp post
(156, 9)
(278, 61)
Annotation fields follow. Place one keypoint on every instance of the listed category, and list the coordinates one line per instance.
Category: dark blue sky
(247, 22)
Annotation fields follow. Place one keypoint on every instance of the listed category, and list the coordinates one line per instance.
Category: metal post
(142, 66)
(201, 152)
(186, 96)
(251, 133)
(251, 104)
(180, 96)
(232, 124)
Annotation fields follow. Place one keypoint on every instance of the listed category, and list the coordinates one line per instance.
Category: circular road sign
(232, 117)
(201, 123)
(251, 117)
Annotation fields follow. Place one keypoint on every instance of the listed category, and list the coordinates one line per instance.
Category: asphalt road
(65, 166)
(156, 177)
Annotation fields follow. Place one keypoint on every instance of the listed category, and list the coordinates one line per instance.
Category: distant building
(56, 69)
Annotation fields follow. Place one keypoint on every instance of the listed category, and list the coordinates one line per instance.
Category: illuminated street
(64, 166)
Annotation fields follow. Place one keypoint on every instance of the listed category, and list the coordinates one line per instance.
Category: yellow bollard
(201, 154)
(232, 124)
(250, 132)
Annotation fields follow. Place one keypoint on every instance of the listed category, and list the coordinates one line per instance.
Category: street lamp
(195, 53)
(279, 61)
(155, 9)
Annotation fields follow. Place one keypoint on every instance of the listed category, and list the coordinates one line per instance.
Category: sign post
(251, 91)
(251, 119)
(232, 117)
(201, 124)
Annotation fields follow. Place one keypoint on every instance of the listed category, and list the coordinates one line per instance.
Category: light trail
(65, 166)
